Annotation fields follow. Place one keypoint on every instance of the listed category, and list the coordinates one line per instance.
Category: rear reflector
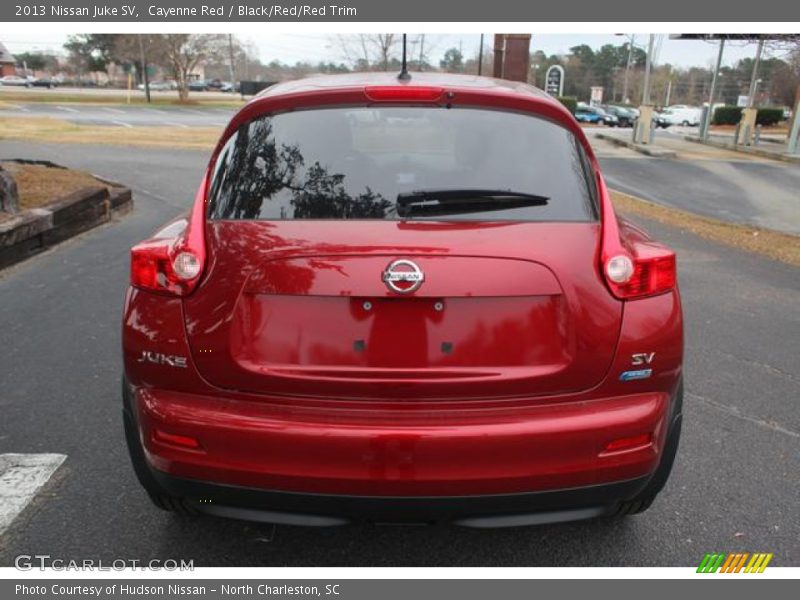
(403, 93)
(627, 443)
(184, 441)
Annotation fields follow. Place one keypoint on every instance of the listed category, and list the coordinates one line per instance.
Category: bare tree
(368, 51)
(184, 52)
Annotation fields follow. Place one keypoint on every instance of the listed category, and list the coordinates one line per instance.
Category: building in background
(8, 64)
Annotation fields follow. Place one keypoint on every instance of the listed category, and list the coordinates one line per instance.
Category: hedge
(571, 102)
(730, 115)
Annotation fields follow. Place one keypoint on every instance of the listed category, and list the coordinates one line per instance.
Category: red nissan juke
(403, 301)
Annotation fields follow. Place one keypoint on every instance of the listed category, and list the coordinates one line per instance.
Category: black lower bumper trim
(496, 510)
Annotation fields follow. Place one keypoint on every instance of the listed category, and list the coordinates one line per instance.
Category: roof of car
(359, 80)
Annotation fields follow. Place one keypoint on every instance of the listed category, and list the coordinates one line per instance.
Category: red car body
(534, 374)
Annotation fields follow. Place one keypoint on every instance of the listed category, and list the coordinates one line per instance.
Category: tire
(644, 499)
(685, 123)
(159, 497)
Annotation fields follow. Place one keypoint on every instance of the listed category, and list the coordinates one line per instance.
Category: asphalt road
(706, 181)
(126, 116)
(735, 486)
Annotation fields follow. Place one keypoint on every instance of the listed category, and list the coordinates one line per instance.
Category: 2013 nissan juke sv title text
(403, 301)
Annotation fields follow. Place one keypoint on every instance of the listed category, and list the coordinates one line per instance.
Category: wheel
(157, 494)
(645, 498)
(685, 123)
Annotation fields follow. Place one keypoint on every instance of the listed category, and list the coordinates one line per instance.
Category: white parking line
(18, 107)
(21, 476)
(155, 110)
(176, 124)
(68, 109)
(114, 110)
(190, 111)
(123, 123)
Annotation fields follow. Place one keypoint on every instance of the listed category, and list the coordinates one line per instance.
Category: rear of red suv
(403, 301)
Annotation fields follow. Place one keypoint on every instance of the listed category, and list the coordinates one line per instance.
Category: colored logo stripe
(733, 563)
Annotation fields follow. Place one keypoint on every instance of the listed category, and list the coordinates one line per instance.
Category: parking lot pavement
(121, 115)
(708, 181)
(734, 488)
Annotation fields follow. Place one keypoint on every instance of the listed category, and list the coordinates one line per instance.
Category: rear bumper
(415, 453)
(323, 510)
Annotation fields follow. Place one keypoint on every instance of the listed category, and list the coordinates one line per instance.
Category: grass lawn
(46, 129)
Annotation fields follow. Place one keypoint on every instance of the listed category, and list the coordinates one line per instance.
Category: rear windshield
(354, 163)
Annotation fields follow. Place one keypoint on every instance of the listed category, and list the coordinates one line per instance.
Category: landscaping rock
(9, 196)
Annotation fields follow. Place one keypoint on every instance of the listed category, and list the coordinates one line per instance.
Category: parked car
(158, 86)
(15, 80)
(594, 114)
(199, 85)
(48, 82)
(430, 314)
(679, 115)
(625, 116)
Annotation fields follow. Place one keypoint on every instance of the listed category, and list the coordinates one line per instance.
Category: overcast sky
(313, 47)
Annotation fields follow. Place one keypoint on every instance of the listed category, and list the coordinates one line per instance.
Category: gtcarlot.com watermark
(30, 562)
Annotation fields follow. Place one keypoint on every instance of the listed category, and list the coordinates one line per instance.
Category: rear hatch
(318, 286)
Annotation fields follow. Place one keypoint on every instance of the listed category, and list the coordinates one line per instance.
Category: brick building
(8, 65)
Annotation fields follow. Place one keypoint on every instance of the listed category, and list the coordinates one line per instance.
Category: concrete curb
(640, 148)
(791, 158)
(37, 229)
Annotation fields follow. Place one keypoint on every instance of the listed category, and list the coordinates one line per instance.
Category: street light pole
(642, 132)
(754, 77)
(646, 93)
(710, 111)
(627, 69)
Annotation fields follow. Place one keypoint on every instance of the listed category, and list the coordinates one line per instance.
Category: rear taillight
(165, 266)
(632, 277)
(172, 261)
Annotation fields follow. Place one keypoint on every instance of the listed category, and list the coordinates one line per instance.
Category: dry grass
(784, 247)
(45, 129)
(39, 185)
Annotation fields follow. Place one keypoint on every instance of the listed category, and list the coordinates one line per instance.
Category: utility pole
(143, 59)
(230, 51)
(421, 50)
(669, 91)
(480, 57)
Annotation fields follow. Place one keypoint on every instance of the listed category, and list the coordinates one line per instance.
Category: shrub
(730, 115)
(727, 115)
(571, 102)
(769, 116)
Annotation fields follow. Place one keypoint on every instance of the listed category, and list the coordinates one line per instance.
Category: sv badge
(642, 358)
(156, 358)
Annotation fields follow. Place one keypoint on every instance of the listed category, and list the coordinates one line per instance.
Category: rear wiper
(455, 201)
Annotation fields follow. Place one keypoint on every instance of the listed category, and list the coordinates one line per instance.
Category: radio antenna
(404, 74)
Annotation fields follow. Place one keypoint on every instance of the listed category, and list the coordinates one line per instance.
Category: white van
(680, 115)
